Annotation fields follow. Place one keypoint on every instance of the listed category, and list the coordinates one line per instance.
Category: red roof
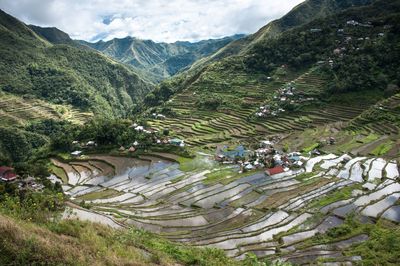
(4, 169)
(7, 173)
(9, 176)
(276, 170)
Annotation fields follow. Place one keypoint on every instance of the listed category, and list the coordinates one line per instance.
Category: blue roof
(294, 158)
(239, 151)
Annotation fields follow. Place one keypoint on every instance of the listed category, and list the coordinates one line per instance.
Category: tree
(150, 99)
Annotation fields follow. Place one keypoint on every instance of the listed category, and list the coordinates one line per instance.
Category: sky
(157, 20)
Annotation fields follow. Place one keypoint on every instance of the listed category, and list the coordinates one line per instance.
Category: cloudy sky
(158, 20)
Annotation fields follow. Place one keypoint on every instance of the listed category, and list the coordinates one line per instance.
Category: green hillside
(158, 61)
(237, 86)
(301, 14)
(64, 74)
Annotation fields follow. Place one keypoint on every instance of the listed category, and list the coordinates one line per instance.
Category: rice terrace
(250, 133)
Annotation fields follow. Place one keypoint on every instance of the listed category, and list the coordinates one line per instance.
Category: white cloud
(158, 20)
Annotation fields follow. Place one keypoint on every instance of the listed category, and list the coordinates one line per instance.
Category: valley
(280, 147)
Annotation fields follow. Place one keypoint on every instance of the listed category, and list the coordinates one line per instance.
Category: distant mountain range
(158, 61)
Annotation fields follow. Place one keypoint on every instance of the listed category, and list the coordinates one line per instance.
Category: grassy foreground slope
(63, 74)
(82, 243)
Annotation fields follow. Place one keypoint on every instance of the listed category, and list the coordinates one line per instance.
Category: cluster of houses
(265, 157)
(356, 23)
(268, 110)
(142, 129)
(134, 146)
(79, 145)
(8, 175)
(339, 51)
(352, 23)
(285, 95)
(348, 39)
(158, 141)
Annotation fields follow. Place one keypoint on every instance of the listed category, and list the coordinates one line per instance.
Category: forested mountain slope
(47, 78)
(34, 67)
(301, 14)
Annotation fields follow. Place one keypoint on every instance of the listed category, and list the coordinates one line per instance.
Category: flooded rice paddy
(248, 214)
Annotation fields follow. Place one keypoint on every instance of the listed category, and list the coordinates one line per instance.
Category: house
(352, 23)
(220, 158)
(176, 142)
(266, 144)
(294, 158)
(76, 153)
(91, 143)
(315, 30)
(7, 174)
(122, 148)
(337, 51)
(158, 116)
(278, 159)
(239, 151)
(331, 141)
(259, 114)
(132, 149)
(248, 167)
(315, 152)
(139, 128)
(275, 170)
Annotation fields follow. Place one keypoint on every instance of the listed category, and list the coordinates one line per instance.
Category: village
(266, 157)
(285, 97)
(155, 137)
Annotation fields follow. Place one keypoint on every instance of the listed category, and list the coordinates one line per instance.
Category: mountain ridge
(159, 60)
